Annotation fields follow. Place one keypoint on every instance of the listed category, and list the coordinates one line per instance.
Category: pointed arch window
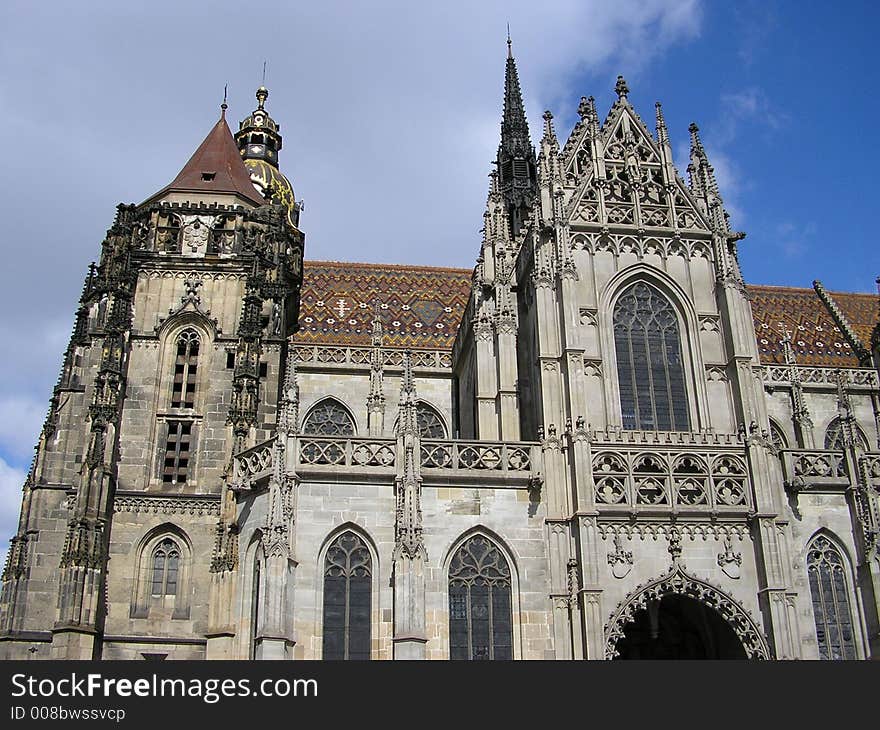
(777, 437)
(429, 422)
(166, 567)
(255, 602)
(183, 390)
(329, 418)
(480, 616)
(826, 569)
(348, 582)
(650, 367)
(835, 436)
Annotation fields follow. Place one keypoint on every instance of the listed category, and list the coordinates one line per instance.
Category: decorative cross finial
(621, 88)
(509, 43)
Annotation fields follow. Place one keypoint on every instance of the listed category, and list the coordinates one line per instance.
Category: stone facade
(249, 457)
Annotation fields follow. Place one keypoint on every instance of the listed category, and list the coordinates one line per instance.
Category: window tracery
(329, 418)
(166, 565)
(826, 570)
(835, 437)
(348, 577)
(480, 619)
(650, 367)
(430, 424)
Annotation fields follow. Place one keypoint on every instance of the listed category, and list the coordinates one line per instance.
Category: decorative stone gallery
(600, 443)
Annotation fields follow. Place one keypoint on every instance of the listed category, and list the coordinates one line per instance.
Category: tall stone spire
(516, 157)
(703, 183)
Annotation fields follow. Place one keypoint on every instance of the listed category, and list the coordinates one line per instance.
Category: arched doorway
(678, 627)
(678, 616)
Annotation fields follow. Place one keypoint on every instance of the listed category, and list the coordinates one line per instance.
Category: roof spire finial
(509, 43)
(621, 88)
(262, 95)
(223, 106)
(662, 132)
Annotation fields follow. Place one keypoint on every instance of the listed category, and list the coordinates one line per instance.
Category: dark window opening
(208, 176)
(183, 390)
(177, 449)
(347, 599)
(166, 566)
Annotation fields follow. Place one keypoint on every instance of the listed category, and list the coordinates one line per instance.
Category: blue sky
(390, 114)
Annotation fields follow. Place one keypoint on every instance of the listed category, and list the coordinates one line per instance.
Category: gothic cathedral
(600, 443)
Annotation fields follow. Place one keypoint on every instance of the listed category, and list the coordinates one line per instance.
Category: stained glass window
(480, 622)
(430, 424)
(831, 611)
(347, 598)
(166, 566)
(650, 369)
(329, 418)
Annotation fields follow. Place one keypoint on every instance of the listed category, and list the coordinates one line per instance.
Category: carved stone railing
(663, 438)
(476, 455)
(856, 377)
(669, 480)
(805, 468)
(360, 356)
(360, 453)
(870, 464)
(252, 465)
(516, 463)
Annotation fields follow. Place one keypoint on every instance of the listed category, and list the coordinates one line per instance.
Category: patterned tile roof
(422, 306)
(815, 338)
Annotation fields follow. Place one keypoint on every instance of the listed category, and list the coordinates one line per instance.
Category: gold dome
(264, 175)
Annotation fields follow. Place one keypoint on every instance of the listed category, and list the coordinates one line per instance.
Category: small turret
(259, 142)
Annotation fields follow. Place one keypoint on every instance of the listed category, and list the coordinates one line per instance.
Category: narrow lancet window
(480, 623)
(348, 577)
(166, 565)
(183, 390)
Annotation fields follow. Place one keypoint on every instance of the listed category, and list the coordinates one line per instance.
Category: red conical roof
(215, 167)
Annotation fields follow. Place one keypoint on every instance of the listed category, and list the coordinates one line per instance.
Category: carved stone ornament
(678, 583)
(730, 561)
(620, 560)
(196, 230)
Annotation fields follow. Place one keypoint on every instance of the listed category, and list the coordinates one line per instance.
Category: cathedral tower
(174, 364)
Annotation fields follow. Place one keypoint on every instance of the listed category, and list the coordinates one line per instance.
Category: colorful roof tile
(422, 307)
(815, 338)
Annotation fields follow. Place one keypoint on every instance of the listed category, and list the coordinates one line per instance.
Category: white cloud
(390, 113)
(11, 481)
